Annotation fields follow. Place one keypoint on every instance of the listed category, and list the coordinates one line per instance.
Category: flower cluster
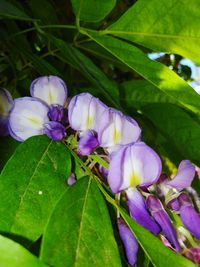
(135, 169)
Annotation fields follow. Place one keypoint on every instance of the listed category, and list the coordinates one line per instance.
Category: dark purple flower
(55, 130)
(50, 89)
(87, 143)
(129, 241)
(132, 165)
(103, 171)
(6, 104)
(139, 212)
(58, 113)
(189, 216)
(162, 218)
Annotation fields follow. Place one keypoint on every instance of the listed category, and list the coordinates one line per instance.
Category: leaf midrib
(30, 180)
(81, 224)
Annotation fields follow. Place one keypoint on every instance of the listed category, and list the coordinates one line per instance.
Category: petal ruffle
(184, 176)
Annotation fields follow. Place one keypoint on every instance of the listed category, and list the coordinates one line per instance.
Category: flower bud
(162, 218)
(55, 130)
(129, 241)
(87, 143)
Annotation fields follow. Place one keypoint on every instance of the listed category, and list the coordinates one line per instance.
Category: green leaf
(79, 232)
(139, 93)
(156, 73)
(14, 255)
(180, 129)
(92, 10)
(7, 148)
(10, 11)
(77, 59)
(158, 254)
(30, 185)
(170, 26)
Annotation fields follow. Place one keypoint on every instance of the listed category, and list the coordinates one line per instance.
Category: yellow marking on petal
(89, 122)
(117, 136)
(3, 110)
(35, 121)
(51, 97)
(134, 180)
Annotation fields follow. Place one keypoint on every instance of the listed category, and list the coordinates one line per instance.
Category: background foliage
(99, 46)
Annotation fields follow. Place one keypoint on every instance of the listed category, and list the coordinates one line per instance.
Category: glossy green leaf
(170, 26)
(139, 93)
(79, 232)
(81, 62)
(14, 255)
(30, 185)
(180, 129)
(158, 254)
(156, 73)
(92, 10)
(10, 11)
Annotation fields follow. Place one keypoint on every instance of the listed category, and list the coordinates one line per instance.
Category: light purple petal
(71, 179)
(162, 218)
(132, 165)
(87, 143)
(121, 130)
(139, 212)
(27, 118)
(184, 176)
(6, 103)
(85, 112)
(115, 171)
(129, 241)
(51, 89)
(55, 130)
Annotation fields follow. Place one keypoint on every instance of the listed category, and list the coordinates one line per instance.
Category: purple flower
(132, 165)
(162, 218)
(71, 179)
(58, 113)
(6, 104)
(55, 130)
(193, 254)
(184, 176)
(87, 143)
(189, 216)
(31, 116)
(103, 171)
(139, 212)
(121, 130)
(51, 89)
(85, 112)
(27, 118)
(129, 241)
